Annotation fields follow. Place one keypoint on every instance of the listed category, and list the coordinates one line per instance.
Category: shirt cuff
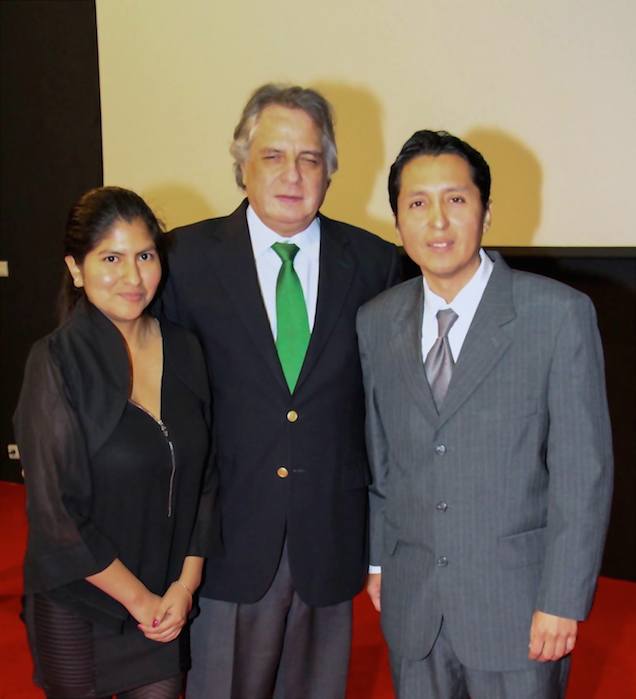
(375, 569)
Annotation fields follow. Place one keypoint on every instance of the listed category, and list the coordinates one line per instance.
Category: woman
(112, 426)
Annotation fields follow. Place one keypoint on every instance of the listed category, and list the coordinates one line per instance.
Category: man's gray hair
(293, 97)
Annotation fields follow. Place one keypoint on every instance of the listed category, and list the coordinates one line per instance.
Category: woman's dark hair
(435, 143)
(90, 220)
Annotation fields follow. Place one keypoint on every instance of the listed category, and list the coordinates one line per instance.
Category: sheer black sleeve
(63, 544)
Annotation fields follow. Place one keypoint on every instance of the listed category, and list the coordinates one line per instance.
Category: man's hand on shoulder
(374, 583)
(551, 637)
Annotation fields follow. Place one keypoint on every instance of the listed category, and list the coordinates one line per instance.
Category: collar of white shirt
(268, 263)
(464, 304)
(263, 238)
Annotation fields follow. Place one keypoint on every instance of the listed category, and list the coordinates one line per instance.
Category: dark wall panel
(50, 152)
(608, 276)
(610, 281)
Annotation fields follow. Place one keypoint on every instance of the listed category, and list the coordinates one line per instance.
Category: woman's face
(120, 275)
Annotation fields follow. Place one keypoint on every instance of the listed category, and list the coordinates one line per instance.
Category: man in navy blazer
(276, 604)
(490, 447)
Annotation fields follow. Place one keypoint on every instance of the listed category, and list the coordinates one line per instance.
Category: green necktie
(292, 336)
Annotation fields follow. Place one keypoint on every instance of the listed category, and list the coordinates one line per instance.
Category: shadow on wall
(359, 136)
(517, 181)
(177, 205)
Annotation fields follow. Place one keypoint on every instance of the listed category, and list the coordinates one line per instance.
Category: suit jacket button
(282, 472)
(442, 561)
(440, 449)
(441, 506)
(292, 416)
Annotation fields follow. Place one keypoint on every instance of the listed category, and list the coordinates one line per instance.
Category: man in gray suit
(490, 447)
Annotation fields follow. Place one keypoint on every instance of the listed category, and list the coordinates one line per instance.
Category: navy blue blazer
(316, 433)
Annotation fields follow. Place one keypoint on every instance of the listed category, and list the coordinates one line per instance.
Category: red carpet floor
(604, 665)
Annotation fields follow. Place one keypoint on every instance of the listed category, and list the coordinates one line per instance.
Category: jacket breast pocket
(522, 549)
(517, 409)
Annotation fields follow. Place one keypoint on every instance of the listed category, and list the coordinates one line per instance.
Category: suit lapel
(407, 345)
(337, 270)
(486, 341)
(233, 261)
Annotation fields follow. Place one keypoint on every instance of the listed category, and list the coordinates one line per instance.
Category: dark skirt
(79, 659)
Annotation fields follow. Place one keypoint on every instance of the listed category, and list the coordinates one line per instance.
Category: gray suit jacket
(499, 504)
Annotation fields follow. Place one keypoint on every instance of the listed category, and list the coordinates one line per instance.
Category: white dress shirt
(464, 304)
(268, 263)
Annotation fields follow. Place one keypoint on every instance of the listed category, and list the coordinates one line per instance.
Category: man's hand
(374, 583)
(551, 637)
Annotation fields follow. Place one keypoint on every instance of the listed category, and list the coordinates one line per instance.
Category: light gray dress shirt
(464, 304)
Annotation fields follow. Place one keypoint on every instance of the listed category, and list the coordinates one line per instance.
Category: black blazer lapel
(337, 270)
(486, 341)
(232, 259)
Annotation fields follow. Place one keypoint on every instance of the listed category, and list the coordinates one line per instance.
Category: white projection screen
(546, 90)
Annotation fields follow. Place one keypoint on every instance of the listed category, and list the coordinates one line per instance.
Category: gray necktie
(439, 361)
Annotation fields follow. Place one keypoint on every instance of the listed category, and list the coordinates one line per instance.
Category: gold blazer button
(282, 472)
(292, 416)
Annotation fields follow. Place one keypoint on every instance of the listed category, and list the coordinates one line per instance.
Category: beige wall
(546, 89)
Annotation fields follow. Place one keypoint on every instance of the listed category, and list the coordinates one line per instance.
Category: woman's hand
(118, 582)
(170, 615)
(145, 606)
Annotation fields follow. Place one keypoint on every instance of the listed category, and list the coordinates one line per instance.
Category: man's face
(441, 220)
(285, 175)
